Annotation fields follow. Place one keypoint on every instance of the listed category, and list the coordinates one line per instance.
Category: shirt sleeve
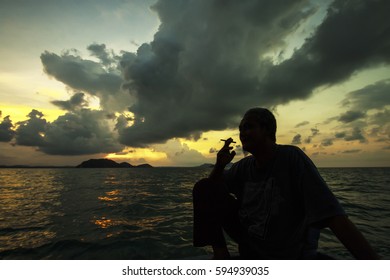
(319, 201)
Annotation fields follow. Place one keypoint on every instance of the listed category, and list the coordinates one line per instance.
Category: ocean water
(147, 213)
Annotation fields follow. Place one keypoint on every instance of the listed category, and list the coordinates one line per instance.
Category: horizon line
(162, 166)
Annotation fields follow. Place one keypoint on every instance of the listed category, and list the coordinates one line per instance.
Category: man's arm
(224, 157)
(351, 238)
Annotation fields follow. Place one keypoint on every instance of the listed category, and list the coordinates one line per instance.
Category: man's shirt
(280, 203)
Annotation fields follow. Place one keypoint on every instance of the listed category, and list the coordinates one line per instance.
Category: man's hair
(265, 118)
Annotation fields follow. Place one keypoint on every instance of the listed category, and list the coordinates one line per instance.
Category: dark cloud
(80, 131)
(356, 134)
(80, 74)
(103, 54)
(369, 111)
(327, 142)
(84, 132)
(381, 118)
(351, 116)
(353, 151)
(202, 70)
(31, 131)
(370, 103)
(87, 132)
(296, 139)
(193, 64)
(375, 96)
(314, 132)
(302, 124)
(381, 123)
(76, 102)
(6, 129)
(88, 76)
(353, 36)
(209, 62)
(340, 134)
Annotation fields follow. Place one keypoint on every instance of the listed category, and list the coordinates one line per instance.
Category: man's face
(252, 134)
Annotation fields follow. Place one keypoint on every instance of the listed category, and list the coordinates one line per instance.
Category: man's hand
(225, 155)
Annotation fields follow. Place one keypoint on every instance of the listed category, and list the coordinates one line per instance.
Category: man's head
(256, 128)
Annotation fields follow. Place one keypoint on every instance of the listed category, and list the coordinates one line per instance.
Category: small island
(108, 163)
(210, 165)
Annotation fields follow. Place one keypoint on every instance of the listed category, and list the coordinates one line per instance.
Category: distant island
(210, 165)
(206, 165)
(108, 163)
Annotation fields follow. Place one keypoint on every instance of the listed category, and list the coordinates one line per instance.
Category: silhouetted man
(272, 203)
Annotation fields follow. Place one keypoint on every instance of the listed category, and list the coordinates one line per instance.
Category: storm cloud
(356, 134)
(87, 132)
(207, 64)
(297, 139)
(375, 96)
(6, 129)
(202, 70)
(351, 116)
(30, 132)
(353, 36)
(375, 101)
(76, 102)
(368, 114)
(78, 132)
(200, 75)
(88, 76)
(107, 57)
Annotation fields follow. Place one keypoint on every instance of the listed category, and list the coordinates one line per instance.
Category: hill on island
(108, 163)
(210, 165)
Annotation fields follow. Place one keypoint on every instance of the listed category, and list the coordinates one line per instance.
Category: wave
(22, 229)
(122, 247)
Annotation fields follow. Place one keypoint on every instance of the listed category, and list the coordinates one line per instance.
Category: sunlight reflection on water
(147, 213)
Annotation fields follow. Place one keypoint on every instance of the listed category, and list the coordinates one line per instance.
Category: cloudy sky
(163, 81)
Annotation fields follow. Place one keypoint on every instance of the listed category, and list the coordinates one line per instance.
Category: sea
(133, 214)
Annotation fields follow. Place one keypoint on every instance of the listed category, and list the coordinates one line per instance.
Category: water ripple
(147, 213)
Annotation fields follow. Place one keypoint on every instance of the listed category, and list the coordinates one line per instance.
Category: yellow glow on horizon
(211, 139)
(19, 113)
(139, 155)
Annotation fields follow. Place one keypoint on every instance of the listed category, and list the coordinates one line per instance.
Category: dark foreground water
(147, 213)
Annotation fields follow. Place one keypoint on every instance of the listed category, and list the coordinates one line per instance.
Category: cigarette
(226, 140)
